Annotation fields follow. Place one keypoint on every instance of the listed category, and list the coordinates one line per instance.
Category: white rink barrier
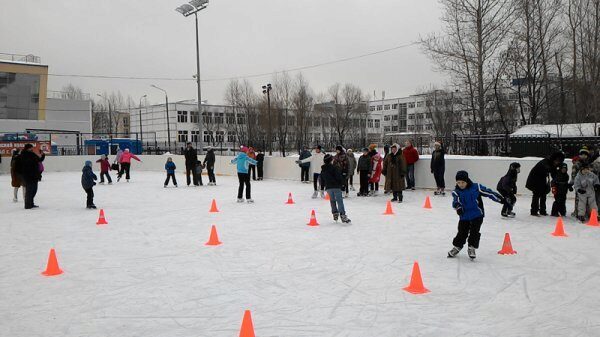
(485, 170)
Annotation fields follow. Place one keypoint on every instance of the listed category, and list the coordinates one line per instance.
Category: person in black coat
(334, 181)
(27, 166)
(438, 167)
(507, 187)
(191, 160)
(538, 181)
(209, 162)
(364, 171)
(260, 161)
(560, 188)
(304, 167)
(88, 180)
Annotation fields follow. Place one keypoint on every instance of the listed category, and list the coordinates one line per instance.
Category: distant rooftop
(20, 58)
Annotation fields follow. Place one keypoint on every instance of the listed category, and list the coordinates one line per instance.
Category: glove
(581, 191)
(298, 162)
(460, 211)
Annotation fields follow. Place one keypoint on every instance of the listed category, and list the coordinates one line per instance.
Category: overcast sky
(237, 37)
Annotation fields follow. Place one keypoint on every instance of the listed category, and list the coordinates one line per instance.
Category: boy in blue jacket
(170, 168)
(87, 182)
(243, 163)
(466, 200)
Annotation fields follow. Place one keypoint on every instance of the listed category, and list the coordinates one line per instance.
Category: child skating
(560, 187)
(88, 180)
(104, 169)
(507, 187)
(466, 200)
(586, 184)
(170, 168)
(334, 181)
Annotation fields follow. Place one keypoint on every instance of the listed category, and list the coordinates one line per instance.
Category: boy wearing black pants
(364, 171)
(507, 187)
(560, 188)
(88, 180)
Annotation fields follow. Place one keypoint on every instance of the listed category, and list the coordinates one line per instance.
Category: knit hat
(27, 146)
(319, 147)
(339, 148)
(396, 145)
(126, 150)
(437, 144)
(372, 147)
(88, 163)
(564, 165)
(328, 159)
(244, 149)
(515, 165)
(584, 150)
(364, 149)
(462, 176)
(349, 150)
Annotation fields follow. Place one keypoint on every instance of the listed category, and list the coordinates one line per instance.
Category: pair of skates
(455, 250)
(241, 201)
(342, 216)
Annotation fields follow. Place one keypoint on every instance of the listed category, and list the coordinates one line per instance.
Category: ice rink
(148, 272)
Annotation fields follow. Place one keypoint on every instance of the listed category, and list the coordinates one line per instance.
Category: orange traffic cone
(559, 230)
(416, 282)
(101, 219)
(313, 219)
(213, 207)
(427, 203)
(507, 246)
(593, 219)
(247, 329)
(290, 200)
(388, 209)
(327, 196)
(214, 237)
(52, 268)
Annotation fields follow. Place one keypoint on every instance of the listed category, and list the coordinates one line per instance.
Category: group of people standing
(194, 167)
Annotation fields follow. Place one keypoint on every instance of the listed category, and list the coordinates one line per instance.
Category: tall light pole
(193, 7)
(109, 115)
(167, 107)
(141, 130)
(267, 90)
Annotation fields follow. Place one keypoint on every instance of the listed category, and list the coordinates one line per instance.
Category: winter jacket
(315, 160)
(170, 167)
(351, 163)
(127, 156)
(260, 159)
(331, 176)
(538, 180)
(243, 162)
(578, 163)
(88, 177)
(252, 154)
(198, 169)
(410, 154)
(376, 167)
(340, 160)
(468, 202)
(438, 161)
(508, 183)
(364, 163)
(394, 170)
(586, 182)
(27, 166)
(104, 165)
(191, 157)
(118, 156)
(560, 183)
(209, 160)
(15, 178)
(303, 155)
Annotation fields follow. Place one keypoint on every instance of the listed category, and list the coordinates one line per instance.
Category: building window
(411, 116)
(428, 115)
(195, 136)
(220, 136)
(370, 123)
(395, 117)
(207, 117)
(387, 118)
(241, 120)
(402, 109)
(394, 106)
(194, 117)
(420, 104)
(402, 126)
(395, 128)
(207, 137)
(182, 117)
(317, 122)
(126, 122)
(231, 137)
(386, 107)
(182, 136)
(372, 108)
(219, 118)
(377, 124)
(411, 105)
(230, 118)
(386, 129)
(379, 107)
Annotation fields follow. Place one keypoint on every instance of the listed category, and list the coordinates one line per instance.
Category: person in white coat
(316, 161)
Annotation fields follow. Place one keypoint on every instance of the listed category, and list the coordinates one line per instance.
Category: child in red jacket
(104, 169)
(412, 156)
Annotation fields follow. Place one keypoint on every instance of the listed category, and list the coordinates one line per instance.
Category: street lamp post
(109, 115)
(193, 7)
(167, 108)
(141, 130)
(267, 90)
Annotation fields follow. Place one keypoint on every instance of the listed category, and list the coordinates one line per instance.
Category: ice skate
(127, 180)
(336, 216)
(240, 200)
(454, 251)
(321, 194)
(250, 201)
(581, 218)
(165, 186)
(315, 194)
(345, 218)
(101, 183)
(110, 183)
(352, 188)
(436, 193)
(15, 200)
(400, 198)
(118, 179)
(471, 252)
(371, 193)
(375, 193)
(346, 195)
(175, 185)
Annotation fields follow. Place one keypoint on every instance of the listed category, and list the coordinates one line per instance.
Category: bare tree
(72, 92)
(303, 103)
(348, 110)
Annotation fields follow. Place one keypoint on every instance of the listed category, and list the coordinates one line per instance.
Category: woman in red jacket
(412, 156)
(126, 164)
(376, 166)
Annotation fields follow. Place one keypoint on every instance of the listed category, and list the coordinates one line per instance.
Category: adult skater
(340, 160)
(316, 161)
(364, 172)
(467, 202)
(191, 160)
(538, 181)
(394, 170)
(304, 167)
(260, 164)
(334, 181)
(243, 163)
(15, 179)
(27, 167)
(376, 168)
(438, 167)
(412, 156)
(209, 162)
(126, 164)
(351, 168)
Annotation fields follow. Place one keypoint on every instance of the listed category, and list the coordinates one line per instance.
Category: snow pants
(468, 229)
(559, 206)
(586, 202)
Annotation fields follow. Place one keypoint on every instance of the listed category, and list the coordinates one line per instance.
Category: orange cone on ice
(327, 197)
(313, 219)
(427, 203)
(213, 207)
(101, 219)
(214, 237)
(416, 282)
(388, 209)
(247, 329)
(593, 219)
(290, 201)
(52, 268)
(560, 228)
(507, 248)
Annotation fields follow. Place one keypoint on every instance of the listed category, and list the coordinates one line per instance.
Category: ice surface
(148, 272)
